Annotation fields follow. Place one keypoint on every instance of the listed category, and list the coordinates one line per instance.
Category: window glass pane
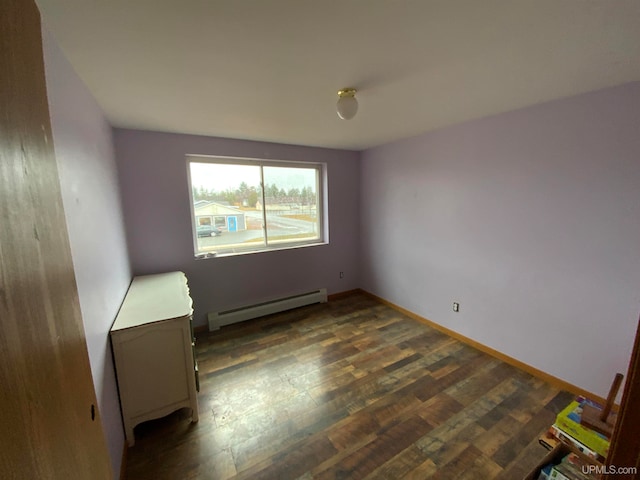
(224, 206)
(232, 214)
(291, 204)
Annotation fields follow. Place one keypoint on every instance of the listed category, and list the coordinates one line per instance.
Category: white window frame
(322, 205)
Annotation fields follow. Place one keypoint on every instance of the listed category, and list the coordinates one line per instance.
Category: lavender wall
(88, 179)
(529, 219)
(153, 178)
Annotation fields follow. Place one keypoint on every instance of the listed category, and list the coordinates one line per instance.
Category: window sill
(275, 248)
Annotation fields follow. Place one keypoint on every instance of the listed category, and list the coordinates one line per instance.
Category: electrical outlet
(456, 307)
(341, 274)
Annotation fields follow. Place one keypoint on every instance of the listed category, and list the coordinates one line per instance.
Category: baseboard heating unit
(235, 315)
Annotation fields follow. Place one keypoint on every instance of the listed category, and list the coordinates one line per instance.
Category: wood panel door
(49, 424)
(625, 444)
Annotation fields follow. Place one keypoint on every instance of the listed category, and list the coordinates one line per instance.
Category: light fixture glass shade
(347, 105)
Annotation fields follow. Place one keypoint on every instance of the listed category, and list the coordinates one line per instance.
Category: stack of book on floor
(567, 430)
(571, 467)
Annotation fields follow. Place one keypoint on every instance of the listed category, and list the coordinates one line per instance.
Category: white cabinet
(153, 342)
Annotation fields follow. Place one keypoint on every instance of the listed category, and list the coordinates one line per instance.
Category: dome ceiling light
(347, 105)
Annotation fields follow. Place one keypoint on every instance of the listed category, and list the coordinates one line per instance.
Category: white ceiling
(270, 69)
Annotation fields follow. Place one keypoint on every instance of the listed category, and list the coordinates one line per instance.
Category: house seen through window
(245, 205)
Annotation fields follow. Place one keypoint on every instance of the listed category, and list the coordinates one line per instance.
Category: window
(244, 205)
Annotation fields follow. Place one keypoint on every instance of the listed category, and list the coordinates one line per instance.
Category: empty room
(289, 239)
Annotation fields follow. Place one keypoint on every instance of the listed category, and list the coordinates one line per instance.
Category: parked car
(208, 231)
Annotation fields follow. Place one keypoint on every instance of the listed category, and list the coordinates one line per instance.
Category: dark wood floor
(347, 390)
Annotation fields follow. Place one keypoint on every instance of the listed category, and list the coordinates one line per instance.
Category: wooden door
(49, 425)
(625, 444)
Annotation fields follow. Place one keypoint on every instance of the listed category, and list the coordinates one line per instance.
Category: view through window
(253, 205)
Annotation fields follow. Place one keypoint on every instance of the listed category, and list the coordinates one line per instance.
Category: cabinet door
(49, 425)
(153, 364)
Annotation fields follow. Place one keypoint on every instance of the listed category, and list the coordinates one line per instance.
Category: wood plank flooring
(350, 389)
